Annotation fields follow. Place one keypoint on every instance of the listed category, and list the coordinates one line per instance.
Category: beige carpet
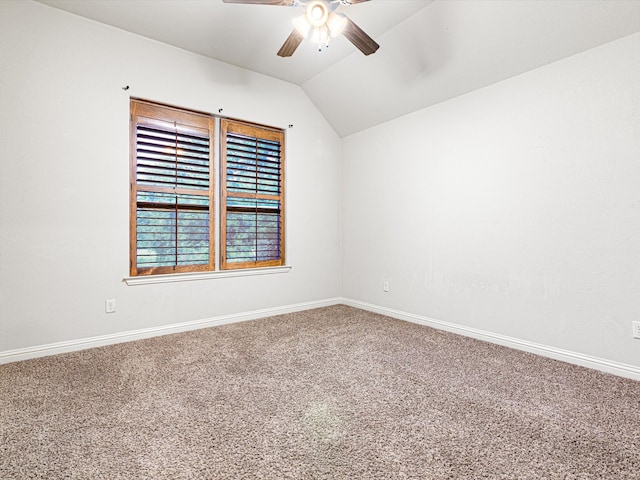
(333, 393)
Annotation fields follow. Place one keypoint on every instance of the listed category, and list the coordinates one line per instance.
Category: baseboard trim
(110, 339)
(608, 366)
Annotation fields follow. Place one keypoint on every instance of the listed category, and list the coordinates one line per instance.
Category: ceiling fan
(320, 23)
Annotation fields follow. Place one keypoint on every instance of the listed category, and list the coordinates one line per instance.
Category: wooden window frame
(262, 133)
(183, 121)
(153, 114)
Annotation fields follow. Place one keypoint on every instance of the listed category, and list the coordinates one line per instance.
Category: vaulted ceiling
(430, 50)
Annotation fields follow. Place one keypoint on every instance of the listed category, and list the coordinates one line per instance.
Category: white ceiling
(430, 51)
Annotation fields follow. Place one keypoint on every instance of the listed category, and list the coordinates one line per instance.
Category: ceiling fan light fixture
(320, 24)
(320, 35)
(317, 13)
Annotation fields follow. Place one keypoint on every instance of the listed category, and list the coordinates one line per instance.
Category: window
(252, 196)
(173, 183)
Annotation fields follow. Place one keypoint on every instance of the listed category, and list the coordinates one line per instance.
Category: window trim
(213, 275)
(150, 114)
(217, 267)
(265, 133)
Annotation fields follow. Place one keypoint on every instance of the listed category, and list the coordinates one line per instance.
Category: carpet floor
(331, 393)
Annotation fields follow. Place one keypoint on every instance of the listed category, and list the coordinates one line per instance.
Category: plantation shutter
(172, 210)
(252, 204)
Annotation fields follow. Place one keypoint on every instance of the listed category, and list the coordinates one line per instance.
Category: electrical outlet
(385, 286)
(110, 305)
(636, 330)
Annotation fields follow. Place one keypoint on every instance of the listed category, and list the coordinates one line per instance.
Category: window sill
(188, 277)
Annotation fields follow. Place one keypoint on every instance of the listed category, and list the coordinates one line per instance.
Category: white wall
(64, 177)
(514, 209)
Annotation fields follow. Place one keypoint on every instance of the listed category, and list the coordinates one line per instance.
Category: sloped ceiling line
(431, 50)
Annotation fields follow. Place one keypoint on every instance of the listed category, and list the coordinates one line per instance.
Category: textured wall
(513, 209)
(64, 173)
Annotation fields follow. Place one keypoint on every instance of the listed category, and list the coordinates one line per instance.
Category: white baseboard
(102, 340)
(609, 366)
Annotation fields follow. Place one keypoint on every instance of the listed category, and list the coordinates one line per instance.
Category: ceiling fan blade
(357, 1)
(290, 44)
(359, 38)
(285, 3)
